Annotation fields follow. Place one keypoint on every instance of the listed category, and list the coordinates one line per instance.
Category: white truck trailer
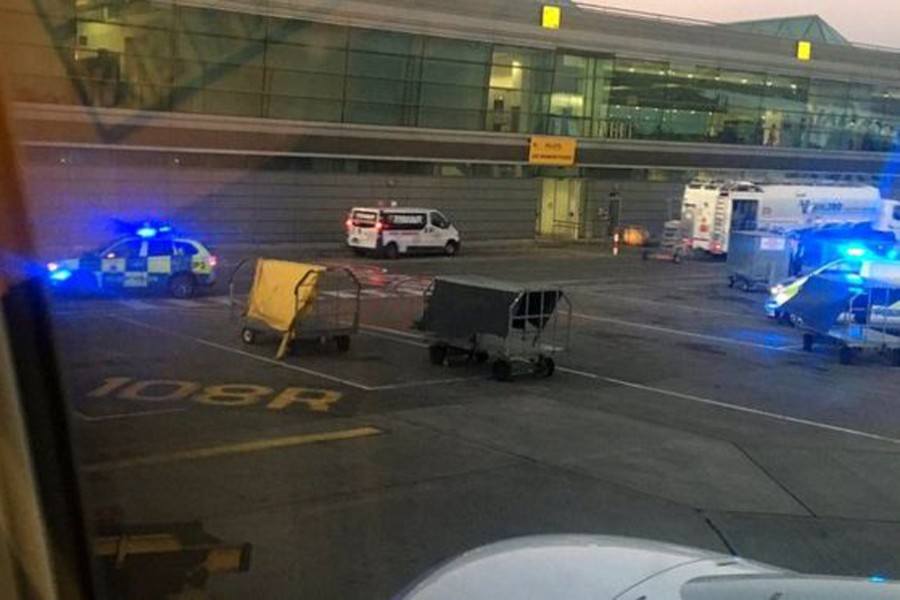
(711, 210)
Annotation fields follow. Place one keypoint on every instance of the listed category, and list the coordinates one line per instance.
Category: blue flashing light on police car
(60, 275)
(151, 256)
(855, 251)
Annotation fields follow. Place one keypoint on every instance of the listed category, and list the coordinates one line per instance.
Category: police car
(152, 258)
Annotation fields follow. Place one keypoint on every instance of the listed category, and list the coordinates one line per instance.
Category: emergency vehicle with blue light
(152, 258)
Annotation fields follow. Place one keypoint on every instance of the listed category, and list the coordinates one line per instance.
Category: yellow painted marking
(315, 400)
(229, 449)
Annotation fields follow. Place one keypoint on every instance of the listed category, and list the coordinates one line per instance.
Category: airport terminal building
(263, 122)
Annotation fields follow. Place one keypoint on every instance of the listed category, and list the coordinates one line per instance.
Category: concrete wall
(77, 196)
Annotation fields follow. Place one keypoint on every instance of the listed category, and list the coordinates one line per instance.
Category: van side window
(400, 221)
(439, 220)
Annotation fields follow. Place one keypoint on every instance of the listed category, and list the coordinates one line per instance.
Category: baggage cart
(298, 301)
(518, 327)
(757, 260)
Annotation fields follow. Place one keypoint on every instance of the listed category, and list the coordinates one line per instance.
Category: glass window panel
(458, 50)
(290, 31)
(451, 72)
(209, 48)
(376, 90)
(305, 85)
(383, 42)
(305, 58)
(239, 79)
(433, 94)
(522, 57)
(224, 23)
(243, 104)
(378, 114)
(378, 65)
(445, 118)
(289, 107)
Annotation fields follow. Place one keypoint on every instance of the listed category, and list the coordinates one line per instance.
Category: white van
(390, 232)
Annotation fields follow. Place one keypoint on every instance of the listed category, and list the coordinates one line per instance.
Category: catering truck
(711, 210)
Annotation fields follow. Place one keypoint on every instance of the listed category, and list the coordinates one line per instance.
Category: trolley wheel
(895, 357)
(743, 285)
(546, 366)
(391, 251)
(845, 355)
(480, 356)
(437, 353)
(248, 336)
(808, 340)
(645, 255)
(676, 258)
(501, 369)
(343, 343)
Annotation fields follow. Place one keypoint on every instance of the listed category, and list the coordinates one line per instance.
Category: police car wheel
(248, 336)
(182, 286)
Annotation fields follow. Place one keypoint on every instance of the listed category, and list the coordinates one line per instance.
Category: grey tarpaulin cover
(821, 300)
(461, 307)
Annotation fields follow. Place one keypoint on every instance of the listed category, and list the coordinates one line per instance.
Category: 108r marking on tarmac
(237, 394)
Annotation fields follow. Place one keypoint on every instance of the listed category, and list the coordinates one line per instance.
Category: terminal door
(561, 210)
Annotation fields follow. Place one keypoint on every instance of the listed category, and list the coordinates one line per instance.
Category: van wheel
(182, 286)
(451, 248)
(391, 251)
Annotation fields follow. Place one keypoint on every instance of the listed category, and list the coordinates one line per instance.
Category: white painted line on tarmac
(686, 307)
(753, 411)
(373, 293)
(223, 300)
(256, 357)
(679, 332)
(184, 303)
(415, 384)
(139, 305)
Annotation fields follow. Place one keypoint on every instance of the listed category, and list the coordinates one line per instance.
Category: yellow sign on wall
(553, 151)
(551, 16)
(804, 50)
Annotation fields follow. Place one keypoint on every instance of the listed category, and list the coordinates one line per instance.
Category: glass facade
(175, 58)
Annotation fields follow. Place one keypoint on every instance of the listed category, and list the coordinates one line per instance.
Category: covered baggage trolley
(757, 260)
(300, 301)
(483, 319)
(853, 313)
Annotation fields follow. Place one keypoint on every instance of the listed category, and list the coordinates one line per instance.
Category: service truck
(711, 210)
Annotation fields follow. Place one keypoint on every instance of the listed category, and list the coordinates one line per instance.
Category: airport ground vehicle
(840, 310)
(300, 302)
(712, 210)
(390, 232)
(482, 319)
(152, 258)
(864, 268)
